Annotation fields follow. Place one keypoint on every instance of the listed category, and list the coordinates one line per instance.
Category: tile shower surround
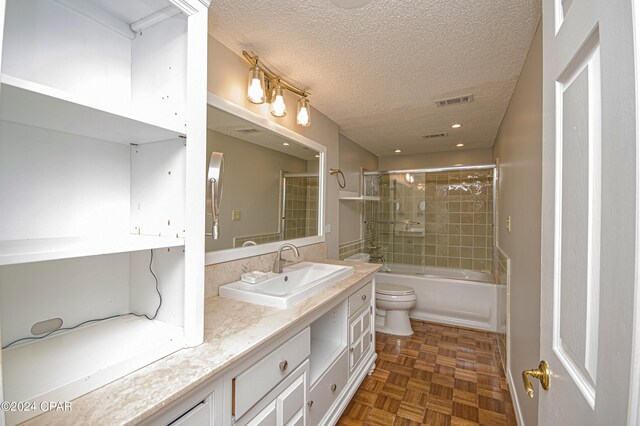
(348, 249)
(301, 207)
(455, 212)
(301, 213)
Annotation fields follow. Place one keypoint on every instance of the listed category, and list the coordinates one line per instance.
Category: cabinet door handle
(310, 403)
(364, 297)
(333, 387)
(351, 349)
(283, 365)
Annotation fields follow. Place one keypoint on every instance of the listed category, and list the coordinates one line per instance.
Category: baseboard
(452, 321)
(514, 399)
(336, 411)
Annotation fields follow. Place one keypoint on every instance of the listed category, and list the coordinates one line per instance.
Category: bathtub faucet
(279, 262)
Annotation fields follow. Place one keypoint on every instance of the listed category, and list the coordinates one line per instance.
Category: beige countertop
(232, 329)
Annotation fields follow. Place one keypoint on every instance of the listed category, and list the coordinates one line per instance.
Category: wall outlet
(235, 215)
(509, 224)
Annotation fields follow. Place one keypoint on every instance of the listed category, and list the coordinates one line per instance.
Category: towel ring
(339, 173)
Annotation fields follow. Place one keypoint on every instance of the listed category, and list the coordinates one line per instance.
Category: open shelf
(325, 352)
(328, 340)
(34, 104)
(354, 196)
(36, 250)
(67, 365)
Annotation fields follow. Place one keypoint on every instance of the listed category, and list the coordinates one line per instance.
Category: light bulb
(304, 113)
(255, 91)
(278, 108)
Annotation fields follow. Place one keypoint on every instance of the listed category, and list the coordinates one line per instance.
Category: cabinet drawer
(360, 298)
(267, 417)
(327, 389)
(254, 383)
(291, 402)
(199, 415)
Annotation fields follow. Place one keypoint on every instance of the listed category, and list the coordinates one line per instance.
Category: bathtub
(449, 296)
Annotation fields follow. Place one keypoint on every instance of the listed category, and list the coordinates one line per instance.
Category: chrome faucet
(279, 262)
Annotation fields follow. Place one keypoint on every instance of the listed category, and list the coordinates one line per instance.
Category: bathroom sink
(295, 284)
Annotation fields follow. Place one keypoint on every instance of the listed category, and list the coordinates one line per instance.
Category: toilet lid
(393, 289)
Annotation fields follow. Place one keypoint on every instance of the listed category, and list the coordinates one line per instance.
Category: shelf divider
(34, 104)
(14, 252)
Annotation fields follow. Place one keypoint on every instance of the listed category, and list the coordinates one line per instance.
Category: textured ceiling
(377, 70)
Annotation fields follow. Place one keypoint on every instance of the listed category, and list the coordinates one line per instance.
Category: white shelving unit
(102, 146)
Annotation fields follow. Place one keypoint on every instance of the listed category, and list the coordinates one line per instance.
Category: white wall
(228, 79)
(251, 186)
(519, 148)
(352, 157)
(465, 157)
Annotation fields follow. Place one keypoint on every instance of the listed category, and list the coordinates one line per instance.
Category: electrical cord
(101, 319)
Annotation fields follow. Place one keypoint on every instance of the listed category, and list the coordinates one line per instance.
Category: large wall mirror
(264, 184)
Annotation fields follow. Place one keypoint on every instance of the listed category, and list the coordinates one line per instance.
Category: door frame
(633, 417)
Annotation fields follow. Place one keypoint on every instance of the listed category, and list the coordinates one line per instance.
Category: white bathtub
(448, 296)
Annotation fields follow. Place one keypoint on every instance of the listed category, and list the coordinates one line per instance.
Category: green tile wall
(441, 219)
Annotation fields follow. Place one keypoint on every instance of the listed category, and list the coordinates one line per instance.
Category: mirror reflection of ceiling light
(285, 143)
(456, 126)
(265, 86)
(397, 151)
(459, 145)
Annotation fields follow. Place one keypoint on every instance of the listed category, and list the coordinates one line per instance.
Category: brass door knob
(542, 373)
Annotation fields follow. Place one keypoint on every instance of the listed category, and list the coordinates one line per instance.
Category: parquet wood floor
(440, 376)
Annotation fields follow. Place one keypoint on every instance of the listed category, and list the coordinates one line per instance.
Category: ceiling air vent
(247, 131)
(455, 101)
(436, 135)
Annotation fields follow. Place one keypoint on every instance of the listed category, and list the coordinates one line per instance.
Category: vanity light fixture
(456, 126)
(459, 145)
(266, 86)
(304, 112)
(256, 92)
(278, 108)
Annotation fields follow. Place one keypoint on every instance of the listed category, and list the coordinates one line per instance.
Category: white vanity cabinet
(102, 142)
(361, 309)
(326, 392)
(305, 376)
(271, 386)
(286, 406)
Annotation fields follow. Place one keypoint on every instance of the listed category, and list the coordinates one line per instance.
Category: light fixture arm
(271, 76)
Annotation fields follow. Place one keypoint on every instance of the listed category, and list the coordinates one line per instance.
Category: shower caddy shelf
(354, 196)
(96, 172)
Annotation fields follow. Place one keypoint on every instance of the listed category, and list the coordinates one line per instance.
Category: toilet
(393, 303)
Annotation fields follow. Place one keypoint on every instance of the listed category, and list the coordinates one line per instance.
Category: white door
(589, 224)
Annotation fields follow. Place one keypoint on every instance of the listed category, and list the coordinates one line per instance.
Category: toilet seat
(394, 290)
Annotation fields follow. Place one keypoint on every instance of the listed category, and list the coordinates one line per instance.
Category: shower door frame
(494, 230)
